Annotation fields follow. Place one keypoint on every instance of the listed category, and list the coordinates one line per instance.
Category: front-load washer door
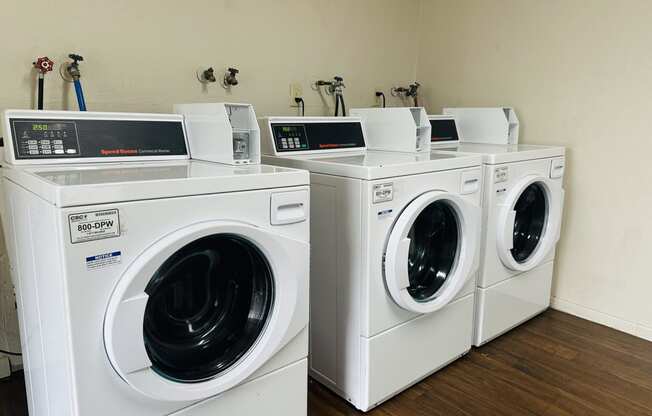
(431, 251)
(204, 307)
(529, 222)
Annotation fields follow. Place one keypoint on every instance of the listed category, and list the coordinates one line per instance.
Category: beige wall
(142, 56)
(580, 75)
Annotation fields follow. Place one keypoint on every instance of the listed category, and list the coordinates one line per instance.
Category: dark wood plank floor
(556, 364)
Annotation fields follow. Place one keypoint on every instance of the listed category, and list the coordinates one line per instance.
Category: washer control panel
(317, 135)
(52, 137)
(34, 138)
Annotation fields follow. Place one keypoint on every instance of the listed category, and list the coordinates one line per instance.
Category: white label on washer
(500, 174)
(103, 260)
(89, 226)
(383, 192)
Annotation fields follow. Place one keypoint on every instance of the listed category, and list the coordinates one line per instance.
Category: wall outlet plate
(296, 90)
(378, 101)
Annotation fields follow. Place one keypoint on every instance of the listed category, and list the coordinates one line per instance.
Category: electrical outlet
(378, 100)
(296, 90)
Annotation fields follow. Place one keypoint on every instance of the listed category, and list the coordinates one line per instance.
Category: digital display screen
(317, 136)
(443, 130)
(39, 127)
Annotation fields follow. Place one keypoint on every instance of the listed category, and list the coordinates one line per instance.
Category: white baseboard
(602, 318)
(645, 332)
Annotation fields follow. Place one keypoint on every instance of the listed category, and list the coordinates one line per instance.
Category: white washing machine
(149, 284)
(522, 203)
(395, 240)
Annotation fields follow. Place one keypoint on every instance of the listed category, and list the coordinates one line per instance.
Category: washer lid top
(376, 164)
(503, 153)
(97, 183)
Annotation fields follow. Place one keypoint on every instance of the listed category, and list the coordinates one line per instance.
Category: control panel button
(290, 137)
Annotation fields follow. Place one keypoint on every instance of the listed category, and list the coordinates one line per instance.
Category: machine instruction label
(90, 226)
(103, 260)
(501, 174)
(383, 192)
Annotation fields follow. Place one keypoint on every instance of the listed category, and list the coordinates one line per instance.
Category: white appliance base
(507, 304)
(404, 355)
(282, 392)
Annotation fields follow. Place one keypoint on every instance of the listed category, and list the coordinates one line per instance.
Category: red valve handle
(44, 64)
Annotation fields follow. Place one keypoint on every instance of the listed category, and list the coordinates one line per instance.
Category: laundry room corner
(550, 60)
(325, 208)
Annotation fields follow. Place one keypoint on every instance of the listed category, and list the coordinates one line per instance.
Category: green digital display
(39, 127)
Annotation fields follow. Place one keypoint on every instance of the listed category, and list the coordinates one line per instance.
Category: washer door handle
(559, 215)
(128, 326)
(510, 222)
(401, 263)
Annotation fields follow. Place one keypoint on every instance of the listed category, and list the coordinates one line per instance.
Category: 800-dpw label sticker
(89, 226)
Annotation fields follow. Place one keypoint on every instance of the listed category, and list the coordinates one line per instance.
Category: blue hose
(80, 95)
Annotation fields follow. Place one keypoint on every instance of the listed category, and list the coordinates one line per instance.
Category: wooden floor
(555, 364)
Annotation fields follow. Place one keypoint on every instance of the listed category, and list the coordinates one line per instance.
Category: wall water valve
(71, 73)
(230, 79)
(336, 88)
(43, 65)
(411, 91)
(206, 76)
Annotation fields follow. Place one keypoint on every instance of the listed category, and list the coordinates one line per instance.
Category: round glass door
(432, 255)
(431, 251)
(207, 306)
(531, 210)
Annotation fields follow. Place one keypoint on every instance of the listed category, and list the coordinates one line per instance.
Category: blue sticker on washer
(102, 260)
